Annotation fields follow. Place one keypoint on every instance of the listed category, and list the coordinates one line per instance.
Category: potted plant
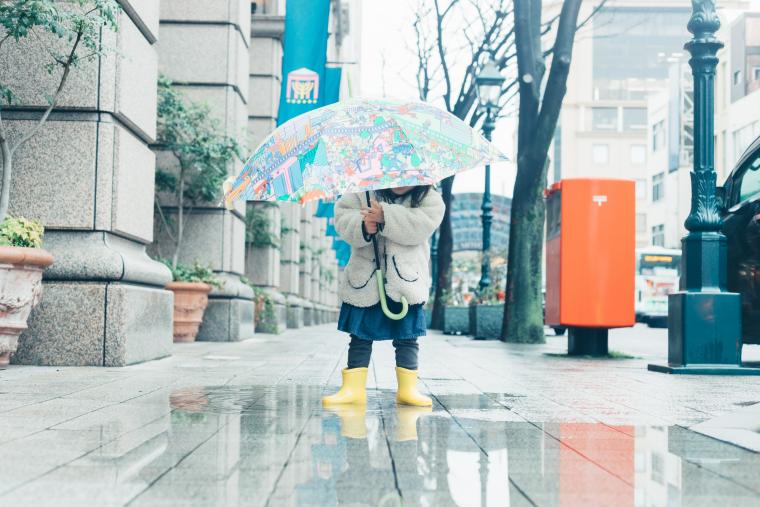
(22, 261)
(190, 285)
(200, 154)
(456, 318)
(486, 314)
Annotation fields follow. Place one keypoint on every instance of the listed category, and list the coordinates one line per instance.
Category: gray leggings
(359, 352)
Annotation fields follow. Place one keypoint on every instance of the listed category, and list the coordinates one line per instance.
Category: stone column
(88, 177)
(316, 246)
(204, 50)
(263, 264)
(306, 264)
(290, 263)
(262, 261)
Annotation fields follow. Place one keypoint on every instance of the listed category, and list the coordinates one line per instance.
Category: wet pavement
(241, 424)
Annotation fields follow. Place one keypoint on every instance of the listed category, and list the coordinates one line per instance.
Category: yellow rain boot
(353, 390)
(352, 420)
(406, 422)
(407, 393)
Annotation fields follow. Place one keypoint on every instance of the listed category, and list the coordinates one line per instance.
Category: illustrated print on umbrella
(360, 146)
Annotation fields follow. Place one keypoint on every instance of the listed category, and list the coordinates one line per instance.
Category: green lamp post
(704, 319)
(488, 82)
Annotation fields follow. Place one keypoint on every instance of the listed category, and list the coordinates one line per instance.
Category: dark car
(740, 204)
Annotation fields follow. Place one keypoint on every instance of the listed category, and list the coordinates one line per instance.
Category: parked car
(740, 206)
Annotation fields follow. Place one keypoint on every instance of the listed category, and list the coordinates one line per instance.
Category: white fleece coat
(403, 245)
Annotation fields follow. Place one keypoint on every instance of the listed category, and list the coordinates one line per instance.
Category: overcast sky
(388, 65)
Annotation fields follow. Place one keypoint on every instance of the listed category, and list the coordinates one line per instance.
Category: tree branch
(442, 52)
(590, 16)
(61, 84)
(556, 85)
(526, 73)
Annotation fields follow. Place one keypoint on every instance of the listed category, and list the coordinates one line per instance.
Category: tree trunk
(445, 248)
(180, 218)
(5, 190)
(523, 315)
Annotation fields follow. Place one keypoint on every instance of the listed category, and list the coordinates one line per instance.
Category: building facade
(89, 178)
(627, 111)
(670, 126)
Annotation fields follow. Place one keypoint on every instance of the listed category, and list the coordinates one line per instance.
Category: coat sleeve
(413, 226)
(348, 221)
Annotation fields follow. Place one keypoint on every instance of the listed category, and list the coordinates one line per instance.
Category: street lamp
(488, 82)
(704, 319)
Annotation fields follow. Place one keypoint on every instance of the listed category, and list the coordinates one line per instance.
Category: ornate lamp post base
(704, 326)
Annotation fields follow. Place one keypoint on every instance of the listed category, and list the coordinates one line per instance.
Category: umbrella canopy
(357, 146)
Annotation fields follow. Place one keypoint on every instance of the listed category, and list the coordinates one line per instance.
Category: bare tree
(538, 115)
(452, 39)
(448, 33)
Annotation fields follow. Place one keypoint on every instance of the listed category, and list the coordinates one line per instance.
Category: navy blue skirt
(371, 323)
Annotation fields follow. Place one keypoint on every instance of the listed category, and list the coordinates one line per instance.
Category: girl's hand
(370, 227)
(373, 214)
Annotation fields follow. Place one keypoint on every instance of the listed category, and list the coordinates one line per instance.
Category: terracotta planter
(190, 301)
(20, 290)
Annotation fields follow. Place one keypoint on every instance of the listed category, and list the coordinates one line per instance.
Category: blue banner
(303, 59)
(332, 84)
(325, 209)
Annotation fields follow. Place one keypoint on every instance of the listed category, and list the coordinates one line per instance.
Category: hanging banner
(332, 84)
(303, 59)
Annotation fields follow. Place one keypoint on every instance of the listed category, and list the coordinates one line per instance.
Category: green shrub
(258, 230)
(195, 273)
(264, 318)
(17, 231)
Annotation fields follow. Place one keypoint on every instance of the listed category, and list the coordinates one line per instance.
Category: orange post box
(590, 254)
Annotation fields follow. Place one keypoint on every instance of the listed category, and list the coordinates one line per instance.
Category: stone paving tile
(241, 424)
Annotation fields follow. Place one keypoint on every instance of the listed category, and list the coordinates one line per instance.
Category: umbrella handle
(384, 303)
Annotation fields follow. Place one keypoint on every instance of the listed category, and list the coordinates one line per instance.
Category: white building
(624, 62)
(670, 126)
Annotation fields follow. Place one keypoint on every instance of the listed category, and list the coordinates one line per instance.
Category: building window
(737, 77)
(600, 153)
(658, 235)
(658, 187)
(638, 154)
(658, 135)
(755, 73)
(634, 118)
(604, 118)
(641, 190)
(641, 223)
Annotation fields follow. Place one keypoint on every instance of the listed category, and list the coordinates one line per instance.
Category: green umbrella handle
(384, 302)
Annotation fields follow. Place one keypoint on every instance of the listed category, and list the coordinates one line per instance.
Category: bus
(657, 275)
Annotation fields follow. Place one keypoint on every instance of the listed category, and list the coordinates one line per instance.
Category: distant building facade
(670, 127)
(628, 109)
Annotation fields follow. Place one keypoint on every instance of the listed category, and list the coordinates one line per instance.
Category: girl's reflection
(348, 470)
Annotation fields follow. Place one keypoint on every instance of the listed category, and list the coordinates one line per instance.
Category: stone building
(89, 177)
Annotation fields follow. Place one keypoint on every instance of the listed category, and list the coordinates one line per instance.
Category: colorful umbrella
(357, 146)
(360, 146)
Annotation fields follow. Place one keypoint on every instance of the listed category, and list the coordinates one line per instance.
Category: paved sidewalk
(241, 424)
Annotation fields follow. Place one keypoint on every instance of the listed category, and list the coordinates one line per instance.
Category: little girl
(403, 219)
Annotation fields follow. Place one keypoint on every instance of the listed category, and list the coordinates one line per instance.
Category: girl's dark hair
(417, 193)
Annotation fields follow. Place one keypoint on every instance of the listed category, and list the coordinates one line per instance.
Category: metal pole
(487, 207)
(704, 319)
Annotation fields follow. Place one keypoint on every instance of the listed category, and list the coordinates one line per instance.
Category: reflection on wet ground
(275, 445)
(241, 424)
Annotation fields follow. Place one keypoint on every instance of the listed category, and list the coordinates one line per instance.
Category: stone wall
(88, 176)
